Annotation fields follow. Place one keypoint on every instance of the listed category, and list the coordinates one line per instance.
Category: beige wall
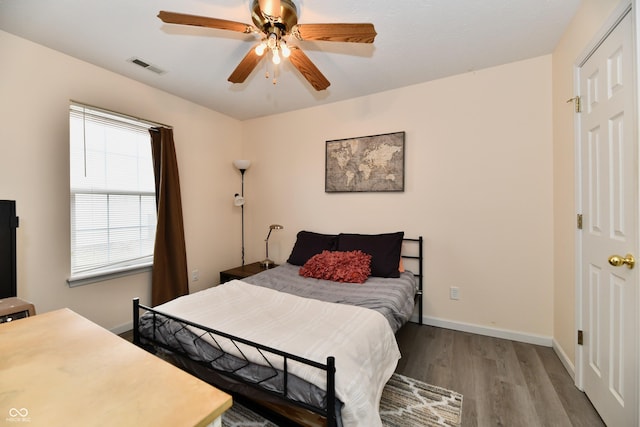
(36, 85)
(478, 188)
(489, 182)
(588, 21)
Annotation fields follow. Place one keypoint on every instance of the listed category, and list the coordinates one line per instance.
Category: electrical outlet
(195, 275)
(454, 293)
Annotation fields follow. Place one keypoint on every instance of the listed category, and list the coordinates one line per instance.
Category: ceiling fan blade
(245, 67)
(203, 21)
(310, 72)
(270, 8)
(352, 33)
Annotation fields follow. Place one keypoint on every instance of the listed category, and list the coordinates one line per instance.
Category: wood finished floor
(503, 383)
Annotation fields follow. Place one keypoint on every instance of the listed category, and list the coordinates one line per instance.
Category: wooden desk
(60, 369)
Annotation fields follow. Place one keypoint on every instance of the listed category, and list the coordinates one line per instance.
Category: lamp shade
(242, 164)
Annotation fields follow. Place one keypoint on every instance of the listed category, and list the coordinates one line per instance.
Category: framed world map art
(365, 164)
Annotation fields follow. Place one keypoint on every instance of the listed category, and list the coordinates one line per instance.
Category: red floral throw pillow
(345, 267)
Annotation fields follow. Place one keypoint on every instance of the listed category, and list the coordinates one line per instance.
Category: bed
(287, 336)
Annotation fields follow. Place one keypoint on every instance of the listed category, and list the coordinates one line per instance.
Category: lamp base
(267, 263)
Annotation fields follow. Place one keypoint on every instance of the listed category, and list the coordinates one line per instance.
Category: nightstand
(241, 272)
(14, 309)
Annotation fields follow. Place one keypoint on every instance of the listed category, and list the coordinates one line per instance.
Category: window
(112, 192)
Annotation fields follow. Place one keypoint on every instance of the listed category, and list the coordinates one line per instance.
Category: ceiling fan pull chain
(275, 74)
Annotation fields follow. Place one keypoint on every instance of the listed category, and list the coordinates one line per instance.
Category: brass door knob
(617, 261)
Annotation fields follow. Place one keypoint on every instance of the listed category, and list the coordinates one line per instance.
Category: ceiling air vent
(146, 65)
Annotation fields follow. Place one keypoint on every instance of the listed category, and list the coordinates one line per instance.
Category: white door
(609, 177)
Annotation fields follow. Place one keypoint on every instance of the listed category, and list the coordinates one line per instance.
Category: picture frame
(372, 163)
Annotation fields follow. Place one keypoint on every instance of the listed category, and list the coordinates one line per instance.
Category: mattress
(394, 298)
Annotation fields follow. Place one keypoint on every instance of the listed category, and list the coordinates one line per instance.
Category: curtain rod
(116, 113)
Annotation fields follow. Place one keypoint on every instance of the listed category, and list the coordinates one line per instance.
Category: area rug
(405, 402)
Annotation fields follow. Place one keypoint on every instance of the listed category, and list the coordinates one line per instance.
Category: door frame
(625, 7)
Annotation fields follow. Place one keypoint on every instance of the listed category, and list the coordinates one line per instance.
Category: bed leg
(136, 320)
(331, 392)
(420, 309)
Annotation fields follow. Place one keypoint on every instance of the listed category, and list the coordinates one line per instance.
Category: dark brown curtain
(169, 277)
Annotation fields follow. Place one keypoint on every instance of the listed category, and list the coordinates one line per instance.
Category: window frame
(117, 269)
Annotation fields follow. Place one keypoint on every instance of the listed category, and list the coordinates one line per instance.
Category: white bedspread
(360, 339)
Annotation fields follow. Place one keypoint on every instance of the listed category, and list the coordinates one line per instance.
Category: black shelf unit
(8, 225)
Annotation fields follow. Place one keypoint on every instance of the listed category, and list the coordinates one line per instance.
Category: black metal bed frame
(420, 274)
(328, 411)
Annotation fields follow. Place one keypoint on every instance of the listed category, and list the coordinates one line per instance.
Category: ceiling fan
(276, 21)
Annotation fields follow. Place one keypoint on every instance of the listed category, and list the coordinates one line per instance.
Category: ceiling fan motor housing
(285, 22)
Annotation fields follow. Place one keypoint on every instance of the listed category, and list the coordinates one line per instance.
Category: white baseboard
(568, 365)
(122, 328)
(488, 331)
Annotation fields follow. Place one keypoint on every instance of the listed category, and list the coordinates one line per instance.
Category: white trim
(99, 276)
(577, 378)
(489, 331)
(122, 328)
(571, 369)
(635, 18)
(624, 7)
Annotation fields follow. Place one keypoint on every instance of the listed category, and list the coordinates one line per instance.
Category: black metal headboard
(409, 252)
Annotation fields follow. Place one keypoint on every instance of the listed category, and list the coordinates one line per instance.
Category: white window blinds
(112, 190)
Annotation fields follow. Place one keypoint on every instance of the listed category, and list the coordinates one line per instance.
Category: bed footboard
(272, 381)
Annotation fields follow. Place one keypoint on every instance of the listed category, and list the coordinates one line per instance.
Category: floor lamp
(238, 200)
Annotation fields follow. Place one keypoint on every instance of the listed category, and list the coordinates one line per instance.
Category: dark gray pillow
(309, 244)
(383, 248)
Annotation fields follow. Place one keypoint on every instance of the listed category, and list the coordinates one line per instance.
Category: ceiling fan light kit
(276, 21)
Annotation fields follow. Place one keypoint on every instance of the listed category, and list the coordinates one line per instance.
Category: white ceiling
(418, 41)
